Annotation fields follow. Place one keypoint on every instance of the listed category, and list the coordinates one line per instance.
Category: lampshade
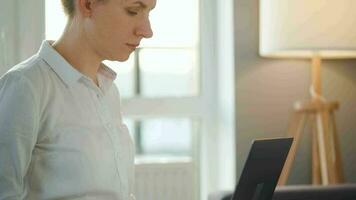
(303, 28)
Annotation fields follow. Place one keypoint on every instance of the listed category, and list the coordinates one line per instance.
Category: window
(55, 20)
(163, 137)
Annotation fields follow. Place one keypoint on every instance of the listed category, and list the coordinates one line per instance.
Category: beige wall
(267, 88)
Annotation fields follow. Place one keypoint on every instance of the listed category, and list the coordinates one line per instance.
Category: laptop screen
(262, 169)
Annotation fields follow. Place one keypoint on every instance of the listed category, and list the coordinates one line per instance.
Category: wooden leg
(329, 151)
(295, 129)
(330, 148)
(337, 155)
(326, 157)
(316, 178)
(322, 148)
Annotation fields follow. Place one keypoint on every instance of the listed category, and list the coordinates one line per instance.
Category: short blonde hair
(68, 7)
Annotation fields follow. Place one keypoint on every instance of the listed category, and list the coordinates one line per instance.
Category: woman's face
(116, 27)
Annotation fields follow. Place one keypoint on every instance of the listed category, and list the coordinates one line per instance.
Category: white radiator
(165, 181)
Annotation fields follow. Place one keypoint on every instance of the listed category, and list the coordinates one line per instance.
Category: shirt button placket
(104, 112)
(104, 116)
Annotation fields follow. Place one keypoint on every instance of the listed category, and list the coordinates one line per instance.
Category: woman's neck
(74, 47)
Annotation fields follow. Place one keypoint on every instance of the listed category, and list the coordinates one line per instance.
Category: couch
(303, 192)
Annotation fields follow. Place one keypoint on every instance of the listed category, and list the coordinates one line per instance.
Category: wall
(267, 88)
(7, 35)
(21, 31)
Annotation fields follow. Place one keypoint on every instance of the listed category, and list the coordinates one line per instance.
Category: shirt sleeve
(19, 123)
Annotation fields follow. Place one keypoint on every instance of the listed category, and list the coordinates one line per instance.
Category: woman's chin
(120, 58)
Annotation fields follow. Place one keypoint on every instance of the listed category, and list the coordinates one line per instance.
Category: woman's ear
(85, 7)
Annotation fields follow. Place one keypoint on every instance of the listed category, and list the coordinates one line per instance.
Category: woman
(61, 132)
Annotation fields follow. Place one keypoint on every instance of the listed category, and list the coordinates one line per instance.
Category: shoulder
(30, 80)
(31, 73)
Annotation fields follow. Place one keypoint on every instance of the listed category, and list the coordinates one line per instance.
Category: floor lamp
(315, 30)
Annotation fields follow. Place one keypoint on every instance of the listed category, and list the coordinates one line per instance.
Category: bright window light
(55, 19)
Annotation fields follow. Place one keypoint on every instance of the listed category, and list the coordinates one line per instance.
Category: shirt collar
(106, 77)
(60, 66)
(67, 72)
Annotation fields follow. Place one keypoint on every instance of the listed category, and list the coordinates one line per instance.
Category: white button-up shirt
(62, 136)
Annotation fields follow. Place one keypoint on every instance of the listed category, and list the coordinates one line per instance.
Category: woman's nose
(145, 30)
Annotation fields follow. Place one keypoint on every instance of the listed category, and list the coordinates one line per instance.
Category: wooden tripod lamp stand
(326, 158)
(313, 30)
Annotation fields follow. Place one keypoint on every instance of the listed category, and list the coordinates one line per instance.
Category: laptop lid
(262, 169)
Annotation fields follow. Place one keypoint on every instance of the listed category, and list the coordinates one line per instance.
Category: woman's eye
(131, 13)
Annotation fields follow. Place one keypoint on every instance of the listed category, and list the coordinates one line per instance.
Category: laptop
(262, 169)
